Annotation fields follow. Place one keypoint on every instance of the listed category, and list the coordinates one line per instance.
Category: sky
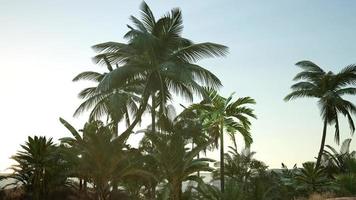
(44, 44)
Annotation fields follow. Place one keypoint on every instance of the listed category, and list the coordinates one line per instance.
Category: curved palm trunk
(322, 144)
(222, 164)
(139, 113)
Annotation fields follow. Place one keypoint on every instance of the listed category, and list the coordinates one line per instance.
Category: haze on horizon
(44, 44)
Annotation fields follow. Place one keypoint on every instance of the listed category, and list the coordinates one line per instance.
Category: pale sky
(44, 44)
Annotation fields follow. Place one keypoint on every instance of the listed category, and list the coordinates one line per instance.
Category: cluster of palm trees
(144, 75)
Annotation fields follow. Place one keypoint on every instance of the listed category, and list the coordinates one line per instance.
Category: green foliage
(101, 160)
(221, 114)
(116, 105)
(311, 178)
(346, 183)
(158, 57)
(40, 168)
(338, 162)
(211, 192)
(156, 63)
(176, 162)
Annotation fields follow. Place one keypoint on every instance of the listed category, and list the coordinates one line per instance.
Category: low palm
(176, 162)
(335, 161)
(39, 167)
(103, 160)
(311, 178)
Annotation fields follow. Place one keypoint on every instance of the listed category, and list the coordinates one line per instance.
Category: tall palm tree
(157, 54)
(328, 88)
(222, 115)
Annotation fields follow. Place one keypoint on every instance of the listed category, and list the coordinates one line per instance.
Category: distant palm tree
(328, 88)
(39, 168)
(158, 55)
(222, 114)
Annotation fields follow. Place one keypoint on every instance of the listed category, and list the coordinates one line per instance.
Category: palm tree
(328, 88)
(242, 166)
(39, 167)
(158, 55)
(221, 114)
(116, 104)
(311, 178)
(103, 160)
(176, 162)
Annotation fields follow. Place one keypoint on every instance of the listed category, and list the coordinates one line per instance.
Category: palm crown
(160, 57)
(328, 88)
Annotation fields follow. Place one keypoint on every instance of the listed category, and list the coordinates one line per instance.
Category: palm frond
(309, 66)
(196, 52)
(89, 75)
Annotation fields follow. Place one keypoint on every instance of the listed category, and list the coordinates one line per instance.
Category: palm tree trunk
(85, 185)
(80, 184)
(222, 164)
(198, 156)
(116, 132)
(322, 144)
(198, 172)
(177, 190)
(153, 112)
(116, 128)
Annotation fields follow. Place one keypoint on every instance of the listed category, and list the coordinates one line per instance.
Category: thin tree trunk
(153, 112)
(80, 184)
(322, 144)
(85, 185)
(139, 113)
(222, 164)
(116, 128)
(198, 156)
